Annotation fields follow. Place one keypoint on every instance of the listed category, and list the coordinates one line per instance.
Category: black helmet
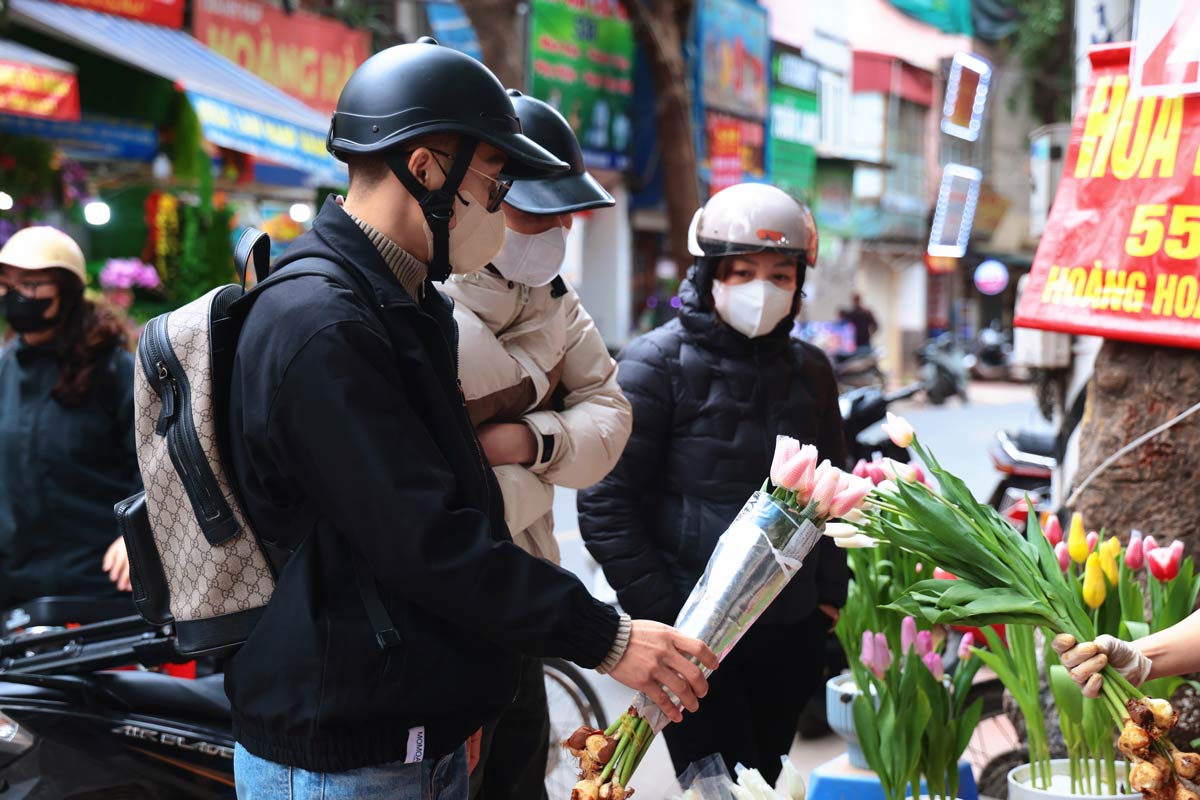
(413, 90)
(574, 190)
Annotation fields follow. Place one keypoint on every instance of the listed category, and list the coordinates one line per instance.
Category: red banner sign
(308, 56)
(1120, 256)
(735, 150)
(157, 12)
(31, 91)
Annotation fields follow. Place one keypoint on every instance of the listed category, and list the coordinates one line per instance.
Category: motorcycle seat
(1043, 444)
(155, 693)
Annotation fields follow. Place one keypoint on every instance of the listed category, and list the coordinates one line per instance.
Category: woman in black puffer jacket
(710, 392)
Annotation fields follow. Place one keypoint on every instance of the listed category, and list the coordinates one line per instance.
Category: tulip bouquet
(753, 561)
(914, 722)
(1007, 578)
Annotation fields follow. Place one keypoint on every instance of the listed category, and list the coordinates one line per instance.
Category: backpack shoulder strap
(386, 634)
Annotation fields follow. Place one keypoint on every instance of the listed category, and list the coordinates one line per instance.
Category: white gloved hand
(1086, 661)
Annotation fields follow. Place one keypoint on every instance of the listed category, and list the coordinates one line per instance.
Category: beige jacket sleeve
(578, 446)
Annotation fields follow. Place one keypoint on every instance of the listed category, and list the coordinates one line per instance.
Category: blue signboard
(93, 137)
(452, 28)
(266, 137)
(734, 58)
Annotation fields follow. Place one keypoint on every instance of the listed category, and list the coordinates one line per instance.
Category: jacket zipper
(175, 423)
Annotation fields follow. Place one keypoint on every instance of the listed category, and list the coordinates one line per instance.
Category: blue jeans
(259, 779)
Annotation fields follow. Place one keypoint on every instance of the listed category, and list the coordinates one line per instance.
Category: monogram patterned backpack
(195, 560)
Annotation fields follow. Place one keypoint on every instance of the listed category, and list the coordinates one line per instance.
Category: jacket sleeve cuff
(547, 433)
(619, 646)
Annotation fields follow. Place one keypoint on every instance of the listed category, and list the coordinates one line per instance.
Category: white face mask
(533, 259)
(476, 238)
(752, 309)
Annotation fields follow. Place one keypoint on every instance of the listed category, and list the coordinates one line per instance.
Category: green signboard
(581, 62)
(795, 127)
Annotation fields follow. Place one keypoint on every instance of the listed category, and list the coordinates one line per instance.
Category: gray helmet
(414, 90)
(565, 192)
(753, 218)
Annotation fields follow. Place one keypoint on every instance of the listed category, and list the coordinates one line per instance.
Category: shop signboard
(31, 90)
(266, 137)
(581, 62)
(452, 28)
(1166, 56)
(795, 124)
(735, 151)
(168, 13)
(308, 56)
(1120, 254)
(91, 137)
(735, 48)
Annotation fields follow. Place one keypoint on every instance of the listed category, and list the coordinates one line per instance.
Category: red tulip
(1149, 545)
(941, 575)
(1053, 530)
(861, 470)
(875, 473)
(1163, 563)
(1093, 539)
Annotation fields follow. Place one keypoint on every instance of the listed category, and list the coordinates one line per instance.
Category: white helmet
(753, 218)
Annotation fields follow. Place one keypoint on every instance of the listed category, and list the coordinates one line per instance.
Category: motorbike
(861, 409)
(81, 716)
(942, 370)
(859, 369)
(1026, 461)
(991, 357)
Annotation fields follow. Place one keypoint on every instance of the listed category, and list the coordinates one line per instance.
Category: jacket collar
(338, 232)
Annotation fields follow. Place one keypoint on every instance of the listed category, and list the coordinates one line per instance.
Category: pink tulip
(785, 448)
(898, 471)
(1053, 531)
(964, 647)
(1093, 539)
(934, 662)
(899, 430)
(883, 656)
(941, 575)
(908, 635)
(1177, 550)
(1149, 545)
(919, 568)
(867, 657)
(875, 473)
(828, 478)
(850, 497)
(1163, 563)
(1064, 555)
(920, 474)
(924, 643)
(860, 469)
(1135, 556)
(796, 474)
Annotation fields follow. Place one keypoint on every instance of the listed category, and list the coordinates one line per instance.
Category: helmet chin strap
(436, 204)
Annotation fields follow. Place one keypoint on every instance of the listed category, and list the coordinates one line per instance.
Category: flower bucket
(1060, 783)
(840, 692)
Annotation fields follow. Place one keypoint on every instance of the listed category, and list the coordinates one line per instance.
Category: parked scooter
(1026, 461)
(991, 358)
(942, 369)
(861, 409)
(858, 369)
(68, 730)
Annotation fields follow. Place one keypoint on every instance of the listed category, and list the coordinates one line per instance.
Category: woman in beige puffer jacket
(542, 392)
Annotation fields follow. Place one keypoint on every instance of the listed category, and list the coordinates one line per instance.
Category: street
(959, 436)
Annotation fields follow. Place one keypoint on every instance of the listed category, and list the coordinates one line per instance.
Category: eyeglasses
(497, 189)
(36, 290)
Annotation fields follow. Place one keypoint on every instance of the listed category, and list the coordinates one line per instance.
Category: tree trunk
(659, 28)
(503, 37)
(1134, 389)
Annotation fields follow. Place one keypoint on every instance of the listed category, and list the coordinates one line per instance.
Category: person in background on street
(352, 448)
(542, 391)
(66, 426)
(710, 392)
(863, 321)
(1170, 652)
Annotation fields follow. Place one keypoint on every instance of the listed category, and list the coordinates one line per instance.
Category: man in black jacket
(353, 451)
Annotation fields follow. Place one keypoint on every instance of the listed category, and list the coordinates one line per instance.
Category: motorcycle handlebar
(903, 394)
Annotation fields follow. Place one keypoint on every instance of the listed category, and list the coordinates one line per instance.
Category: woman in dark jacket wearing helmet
(710, 392)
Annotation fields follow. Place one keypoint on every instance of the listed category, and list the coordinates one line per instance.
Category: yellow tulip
(1110, 551)
(1077, 540)
(1094, 589)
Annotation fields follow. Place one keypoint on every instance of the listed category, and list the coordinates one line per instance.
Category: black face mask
(26, 315)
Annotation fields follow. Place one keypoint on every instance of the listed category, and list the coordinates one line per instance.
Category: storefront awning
(33, 84)
(236, 109)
